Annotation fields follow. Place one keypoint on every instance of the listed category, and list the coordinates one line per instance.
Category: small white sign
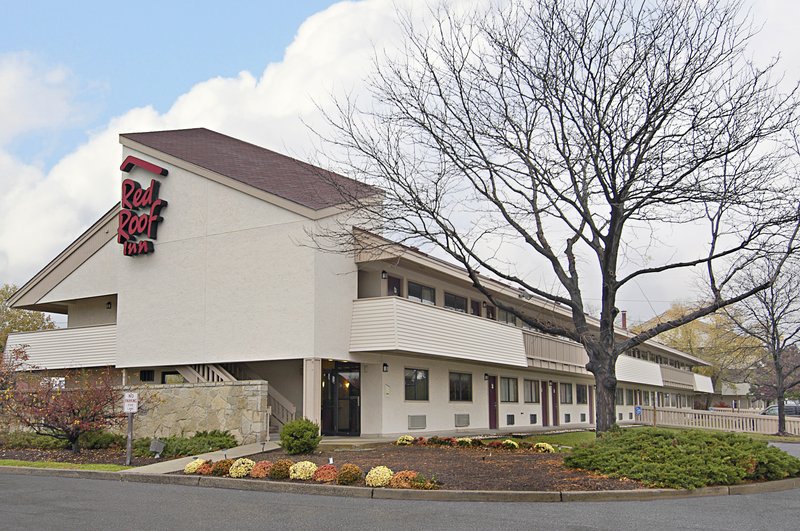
(130, 402)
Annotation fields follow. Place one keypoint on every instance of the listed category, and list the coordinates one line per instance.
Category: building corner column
(312, 389)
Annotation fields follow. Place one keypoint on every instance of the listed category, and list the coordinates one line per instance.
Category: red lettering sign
(139, 216)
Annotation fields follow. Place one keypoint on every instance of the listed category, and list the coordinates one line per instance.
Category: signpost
(130, 405)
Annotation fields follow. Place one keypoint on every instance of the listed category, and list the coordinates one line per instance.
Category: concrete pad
(177, 465)
(769, 486)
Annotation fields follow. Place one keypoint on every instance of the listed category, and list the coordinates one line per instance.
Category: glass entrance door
(341, 399)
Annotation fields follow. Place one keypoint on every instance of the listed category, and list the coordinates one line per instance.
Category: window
(619, 397)
(55, 382)
(506, 317)
(490, 312)
(420, 293)
(416, 384)
(565, 390)
(508, 390)
(454, 302)
(646, 398)
(629, 397)
(582, 394)
(147, 376)
(460, 387)
(530, 390)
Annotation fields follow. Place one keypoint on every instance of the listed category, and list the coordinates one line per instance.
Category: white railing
(210, 372)
(282, 408)
(717, 420)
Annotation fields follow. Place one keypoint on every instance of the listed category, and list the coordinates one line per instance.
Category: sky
(74, 75)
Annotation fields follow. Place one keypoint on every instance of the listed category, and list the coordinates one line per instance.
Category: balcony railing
(65, 348)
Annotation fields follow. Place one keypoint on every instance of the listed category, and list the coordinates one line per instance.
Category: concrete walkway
(176, 465)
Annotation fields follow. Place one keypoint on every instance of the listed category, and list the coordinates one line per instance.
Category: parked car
(792, 409)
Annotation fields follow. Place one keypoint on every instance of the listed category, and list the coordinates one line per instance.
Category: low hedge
(88, 441)
(200, 443)
(684, 459)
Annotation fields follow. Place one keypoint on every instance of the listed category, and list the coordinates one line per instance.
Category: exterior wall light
(108, 305)
(485, 375)
(385, 367)
(384, 275)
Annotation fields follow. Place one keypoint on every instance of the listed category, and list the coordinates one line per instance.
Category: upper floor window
(629, 397)
(619, 397)
(394, 286)
(416, 384)
(508, 390)
(455, 302)
(506, 317)
(420, 293)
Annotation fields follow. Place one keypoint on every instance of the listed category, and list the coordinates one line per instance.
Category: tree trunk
(75, 445)
(605, 405)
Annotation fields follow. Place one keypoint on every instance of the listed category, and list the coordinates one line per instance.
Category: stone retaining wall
(183, 409)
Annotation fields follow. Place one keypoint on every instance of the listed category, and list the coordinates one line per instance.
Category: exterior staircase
(282, 410)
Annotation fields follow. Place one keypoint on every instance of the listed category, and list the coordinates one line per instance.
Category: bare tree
(575, 131)
(772, 317)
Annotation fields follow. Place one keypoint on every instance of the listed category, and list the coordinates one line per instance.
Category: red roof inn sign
(140, 211)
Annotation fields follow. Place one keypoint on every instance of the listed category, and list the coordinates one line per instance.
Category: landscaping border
(410, 494)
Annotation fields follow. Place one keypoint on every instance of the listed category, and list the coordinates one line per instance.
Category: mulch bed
(469, 468)
(112, 456)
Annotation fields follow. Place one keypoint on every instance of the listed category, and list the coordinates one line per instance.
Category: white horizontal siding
(65, 348)
(396, 324)
(702, 384)
(635, 370)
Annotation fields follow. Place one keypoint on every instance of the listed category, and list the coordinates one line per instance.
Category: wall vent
(509, 420)
(417, 422)
(462, 420)
(533, 418)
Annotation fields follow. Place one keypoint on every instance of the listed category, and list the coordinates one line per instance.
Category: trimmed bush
(300, 436)
(423, 483)
(193, 465)
(380, 476)
(403, 479)
(325, 474)
(206, 468)
(241, 467)
(261, 469)
(280, 469)
(683, 458)
(200, 443)
(221, 468)
(26, 439)
(304, 470)
(349, 474)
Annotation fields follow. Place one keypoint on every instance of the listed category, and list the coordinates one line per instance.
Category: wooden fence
(716, 420)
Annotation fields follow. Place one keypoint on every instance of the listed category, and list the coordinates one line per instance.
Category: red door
(555, 403)
(492, 381)
(545, 404)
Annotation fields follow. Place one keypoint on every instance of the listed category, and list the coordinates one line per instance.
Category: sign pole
(130, 440)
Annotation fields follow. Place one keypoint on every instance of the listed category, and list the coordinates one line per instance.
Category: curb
(408, 494)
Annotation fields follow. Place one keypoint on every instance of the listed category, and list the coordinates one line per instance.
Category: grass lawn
(572, 438)
(71, 466)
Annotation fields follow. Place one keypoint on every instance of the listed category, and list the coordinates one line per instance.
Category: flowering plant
(544, 448)
(221, 468)
(206, 468)
(193, 465)
(241, 467)
(261, 469)
(325, 474)
(464, 441)
(403, 479)
(348, 474)
(405, 440)
(280, 469)
(303, 470)
(508, 444)
(380, 476)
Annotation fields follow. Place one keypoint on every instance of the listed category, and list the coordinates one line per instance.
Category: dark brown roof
(289, 178)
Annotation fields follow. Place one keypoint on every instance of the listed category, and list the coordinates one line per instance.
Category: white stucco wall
(92, 312)
(95, 277)
(232, 278)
